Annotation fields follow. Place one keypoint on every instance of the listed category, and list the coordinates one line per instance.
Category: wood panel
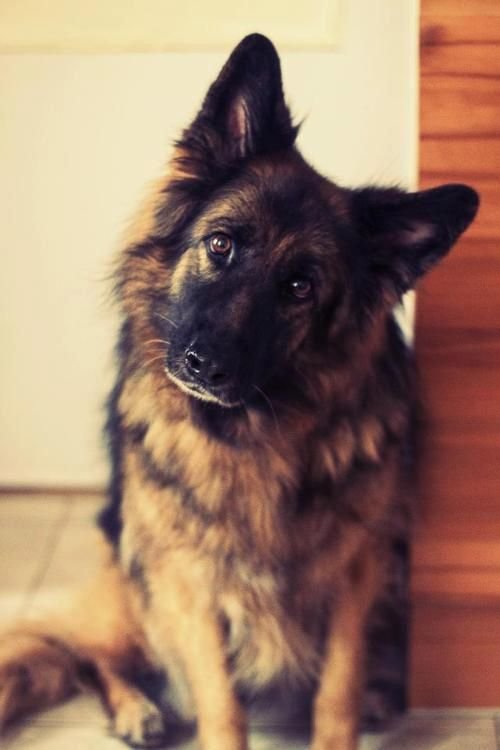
(455, 652)
(471, 303)
(459, 397)
(464, 479)
(456, 9)
(459, 647)
(461, 59)
(460, 105)
(477, 157)
(475, 550)
(459, 30)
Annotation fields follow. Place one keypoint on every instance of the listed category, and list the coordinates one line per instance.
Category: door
(456, 569)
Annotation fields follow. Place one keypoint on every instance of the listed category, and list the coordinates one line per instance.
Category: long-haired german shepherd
(257, 431)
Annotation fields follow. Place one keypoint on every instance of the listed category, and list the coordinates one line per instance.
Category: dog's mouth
(222, 396)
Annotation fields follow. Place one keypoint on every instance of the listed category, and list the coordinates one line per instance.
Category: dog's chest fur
(253, 524)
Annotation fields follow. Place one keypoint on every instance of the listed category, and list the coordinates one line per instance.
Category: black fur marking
(204, 315)
(405, 234)
(163, 478)
(217, 422)
(328, 494)
(387, 696)
(166, 479)
(109, 519)
(22, 674)
(138, 575)
(244, 112)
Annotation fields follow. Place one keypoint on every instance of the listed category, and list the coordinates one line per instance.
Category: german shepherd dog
(257, 432)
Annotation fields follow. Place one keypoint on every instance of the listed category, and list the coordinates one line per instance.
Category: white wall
(80, 135)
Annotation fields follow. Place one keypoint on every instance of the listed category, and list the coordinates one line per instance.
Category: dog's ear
(244, 112)
(404, 234)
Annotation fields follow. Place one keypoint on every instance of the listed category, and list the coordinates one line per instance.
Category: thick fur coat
(257, 432)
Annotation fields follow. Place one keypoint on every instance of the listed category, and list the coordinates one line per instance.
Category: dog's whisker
(271, 407)
(168, 320)
(246, 411)
(154, 359)
(157, 341)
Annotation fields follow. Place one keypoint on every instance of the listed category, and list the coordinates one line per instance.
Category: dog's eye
(300, 287)
(220, 244)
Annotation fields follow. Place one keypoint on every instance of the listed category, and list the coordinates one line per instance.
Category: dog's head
(255, 266)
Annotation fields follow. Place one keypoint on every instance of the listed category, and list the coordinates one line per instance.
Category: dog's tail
(44, 662)
(37, 670)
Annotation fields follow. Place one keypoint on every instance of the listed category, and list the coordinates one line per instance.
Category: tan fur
(42, 661)
(335, 722)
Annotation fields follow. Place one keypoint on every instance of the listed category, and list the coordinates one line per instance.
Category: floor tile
(47, 601)
(12, 604)
(436, 732)
(50, 737)
(75, 557)
(22, 550)
(82, 720)
(497, 729)
(276, 741)
(31, 508)
(29, 528)
(28, 531)
(82, 725)
(84, 508)
(82, 710)
(56, 737)
(373, 742)
(467, 714)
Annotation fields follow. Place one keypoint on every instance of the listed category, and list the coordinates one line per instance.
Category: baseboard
(42, 490)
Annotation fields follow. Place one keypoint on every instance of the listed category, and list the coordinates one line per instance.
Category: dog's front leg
(337, 704)
(183, 624)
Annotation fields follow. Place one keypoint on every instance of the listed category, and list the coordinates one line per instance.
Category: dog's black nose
(205, 368)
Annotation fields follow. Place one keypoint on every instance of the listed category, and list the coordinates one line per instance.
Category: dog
(257, 433)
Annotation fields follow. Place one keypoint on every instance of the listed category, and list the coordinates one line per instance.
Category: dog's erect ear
(405, 234)
(244, 112)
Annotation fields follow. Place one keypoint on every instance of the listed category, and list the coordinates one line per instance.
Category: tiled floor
(46, 547)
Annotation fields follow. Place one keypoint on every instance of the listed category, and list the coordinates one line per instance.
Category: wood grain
(471, 158)
(453, 30)
(467, 59)
(459, 646)
(456, 586)
(455, 649)
(463, 555)
(457, 398)
(463, 483)
(460, 105)
(471, 303)
(459, 9)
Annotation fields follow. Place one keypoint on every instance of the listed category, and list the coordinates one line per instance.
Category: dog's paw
(140, 724)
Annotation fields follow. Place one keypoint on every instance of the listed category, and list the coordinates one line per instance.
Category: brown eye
(220, 244)
(300, 287)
